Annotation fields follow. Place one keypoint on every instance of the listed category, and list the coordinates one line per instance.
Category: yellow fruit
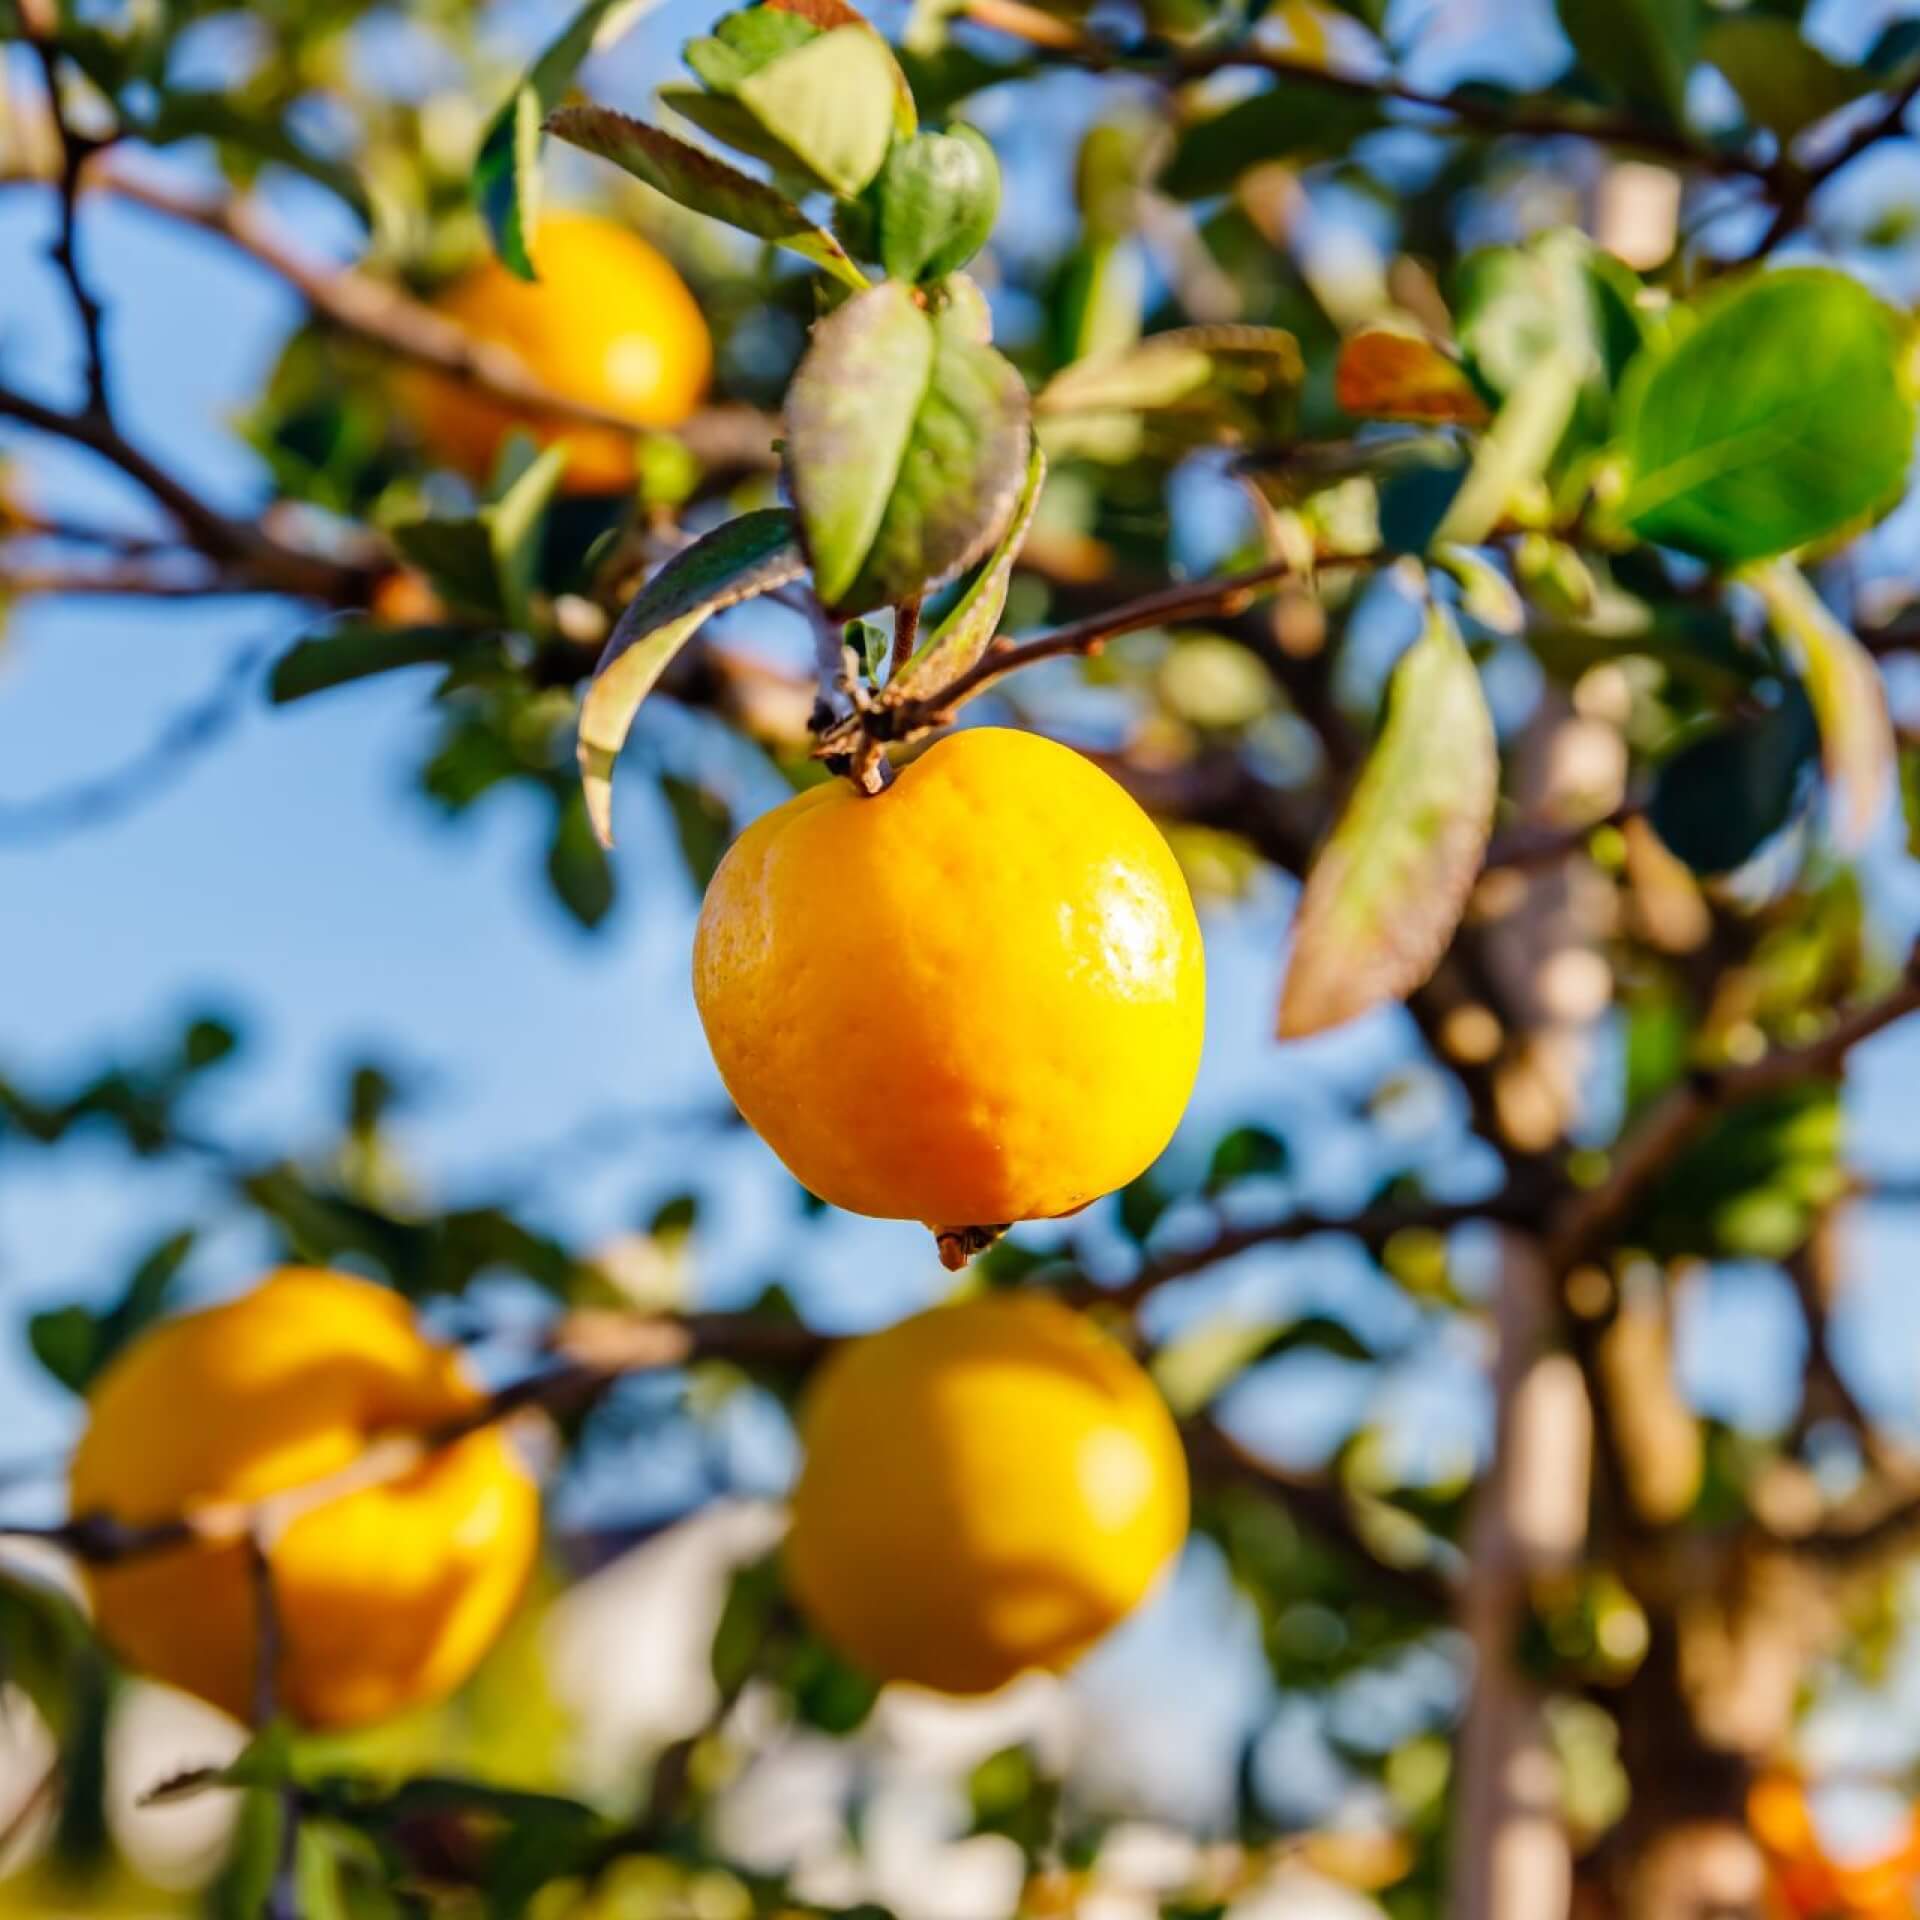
(988, 1487)
(608, 324)
(974, 999)
(386, 1597)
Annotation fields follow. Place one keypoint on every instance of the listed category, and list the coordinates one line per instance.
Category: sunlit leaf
(1386, 892)
(831, 102)
(750, 555)
(1779, 418)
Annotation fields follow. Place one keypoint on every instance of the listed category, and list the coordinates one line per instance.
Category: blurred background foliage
(1712, 1655)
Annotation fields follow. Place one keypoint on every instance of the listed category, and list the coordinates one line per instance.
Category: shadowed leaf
(1720, 799)
(906, 440)
(700, 181)
(1387, 890)
(506, 175)
(963, 636)
(748, 556)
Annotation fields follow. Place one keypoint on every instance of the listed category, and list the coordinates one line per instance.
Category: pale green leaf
(1386, 892)
(1849, 702)
(1778, 419)
(831, 102)
(1513, 452)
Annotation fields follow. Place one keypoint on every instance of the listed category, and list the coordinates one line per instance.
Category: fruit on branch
(974, 999)
(609, 324)
(988, 1487)
(385, 1596)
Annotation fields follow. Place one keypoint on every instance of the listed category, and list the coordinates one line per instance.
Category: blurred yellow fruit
(386, 1597)
(974, 999)
(988, 1487)
(609, 324)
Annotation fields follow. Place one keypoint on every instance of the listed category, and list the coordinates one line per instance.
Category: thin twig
(1673, 1125)
(906, 632)
(1796, 198)
(1481, 113)
(74, 154)
(270, 565)
(734, 438)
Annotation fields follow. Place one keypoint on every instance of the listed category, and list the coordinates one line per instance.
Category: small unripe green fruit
(934, 204)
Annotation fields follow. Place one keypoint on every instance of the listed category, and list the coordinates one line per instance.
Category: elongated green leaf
(506, 178)
(188, 114)
(748, 556)
(1779, 418)
(1387, 890)
(1515, 450)
(906, 440)
(704, 183)
(358, 649)
(1849, 701)
(964, 635)
(1784, 84)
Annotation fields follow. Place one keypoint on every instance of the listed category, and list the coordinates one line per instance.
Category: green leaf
(906, 440)
(506, 175)
(748, 556)
(831, 103)
(1514, 452)
(74, 1343)
(1641, 51)
(1720, 799)
(1778, 419)
(1784, 84)
(703, 824)
(577, 863)
(1291, 120)
(964, 635)
(743, 43)
(485, 564)
(708, 185)
(1195, 370)
(358, 649)
(1387, 890)
(935, 204)
(1849, 701)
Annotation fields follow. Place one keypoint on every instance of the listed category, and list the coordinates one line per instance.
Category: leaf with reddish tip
(751, 555)
(1386, 374)
(964, 635)
(703, 182)
(1387, 890)
(1849, 701)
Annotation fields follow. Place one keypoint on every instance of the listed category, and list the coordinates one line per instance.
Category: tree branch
(74, 154)
(270, 566)
(733, 438)
(1677, 1121)
(1797, 189)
